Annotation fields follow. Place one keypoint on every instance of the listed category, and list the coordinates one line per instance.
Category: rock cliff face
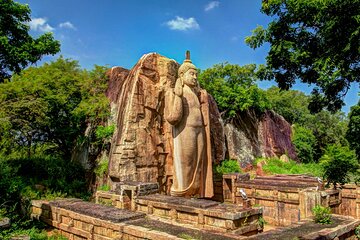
(250, 135)
(275, 132)
(141, 148)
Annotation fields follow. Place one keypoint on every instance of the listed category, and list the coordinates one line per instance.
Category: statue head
(188, 72)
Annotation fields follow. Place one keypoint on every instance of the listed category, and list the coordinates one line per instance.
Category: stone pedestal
(124, 193)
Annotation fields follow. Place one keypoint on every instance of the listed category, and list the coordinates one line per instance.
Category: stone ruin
(142, 166)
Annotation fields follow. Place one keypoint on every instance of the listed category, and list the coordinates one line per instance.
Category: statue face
(190, 77)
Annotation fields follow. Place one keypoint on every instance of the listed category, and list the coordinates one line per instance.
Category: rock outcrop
(250, 135)
(141, 148)
(276, 136)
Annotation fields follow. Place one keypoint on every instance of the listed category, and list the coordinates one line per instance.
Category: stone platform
(78, 220)
(341, 228)
(285, 199)
(202, 214)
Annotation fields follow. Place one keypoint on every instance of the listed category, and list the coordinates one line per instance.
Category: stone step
(202, 214)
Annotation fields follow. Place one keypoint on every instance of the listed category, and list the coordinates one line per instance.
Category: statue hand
(178, 90)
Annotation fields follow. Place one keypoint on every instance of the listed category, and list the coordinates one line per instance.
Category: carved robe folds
(192, 164)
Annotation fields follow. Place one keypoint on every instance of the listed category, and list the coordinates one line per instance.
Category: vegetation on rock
(234, 88)
(228, 166)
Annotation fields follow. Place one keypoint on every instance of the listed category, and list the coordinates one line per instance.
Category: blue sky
(118, 33)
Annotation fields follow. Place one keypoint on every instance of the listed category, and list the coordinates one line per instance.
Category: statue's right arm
(173, 104)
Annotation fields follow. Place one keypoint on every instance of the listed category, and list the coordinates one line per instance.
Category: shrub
(357, 232)
(24, 179)
(276, 166)
(104, 133)
(304, 142)
(104, 187)
(228, 166)
(322, 214)
(102, 168)
(338, 162)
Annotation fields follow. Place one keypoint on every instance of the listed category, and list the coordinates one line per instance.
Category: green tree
(328, 129)
(17, 48)
(304, 142)
(49, 107)
(316, 41)
(353, 132)
(338, 162)
(233, 88)
(291, 104)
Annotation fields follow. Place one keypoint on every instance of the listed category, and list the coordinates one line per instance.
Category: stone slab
(308, 230)
(112, 214)
(180, 201)
(4, 223)
(70, 218)
(181, 231)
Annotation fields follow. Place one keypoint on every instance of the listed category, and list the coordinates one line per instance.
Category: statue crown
(187, 64)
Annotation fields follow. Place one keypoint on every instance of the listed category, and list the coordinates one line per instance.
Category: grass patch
(276, 166)
(227, 166)
(104, 187)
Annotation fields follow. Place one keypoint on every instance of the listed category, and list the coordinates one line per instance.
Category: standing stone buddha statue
(187, 110)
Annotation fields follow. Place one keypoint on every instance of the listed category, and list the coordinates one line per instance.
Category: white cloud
(183, 24)
(211, 5)
(67, 25)
(39, 24)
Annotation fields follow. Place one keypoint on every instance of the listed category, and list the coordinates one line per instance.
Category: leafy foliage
(276, 166)
(17, 48)
(228, 166)
(104, 187)
(104, 133)
(102, 168)
(233, 88)
(304, 142)
(41, 177)
(316, 41)
(322, 214)
(353, 132)
(338, 162)
(35, 233)
(48, 108)
(45, 112)
(328, 129)
(291, 104)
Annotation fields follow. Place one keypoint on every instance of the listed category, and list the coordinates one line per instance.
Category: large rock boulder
(250, 135)
(141, 148)
(275, 132)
